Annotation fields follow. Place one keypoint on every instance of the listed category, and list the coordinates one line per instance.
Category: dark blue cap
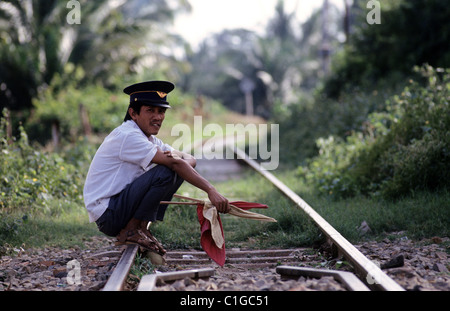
(150, 92)
(153, 93)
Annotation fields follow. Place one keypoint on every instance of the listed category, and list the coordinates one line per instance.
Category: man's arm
(182, 155)
(184, 168)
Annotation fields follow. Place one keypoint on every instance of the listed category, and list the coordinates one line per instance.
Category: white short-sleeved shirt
(125, 154)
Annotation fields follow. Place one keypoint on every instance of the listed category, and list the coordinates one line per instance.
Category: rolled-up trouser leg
(140, 199)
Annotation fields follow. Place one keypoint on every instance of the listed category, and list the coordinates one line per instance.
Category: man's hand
(219, 201)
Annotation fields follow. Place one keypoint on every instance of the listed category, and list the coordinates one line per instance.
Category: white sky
(212, 16)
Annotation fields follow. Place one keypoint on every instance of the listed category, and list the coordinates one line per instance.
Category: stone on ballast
(440, 267)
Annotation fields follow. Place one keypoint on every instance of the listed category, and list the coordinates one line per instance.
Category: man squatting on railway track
(133, 171)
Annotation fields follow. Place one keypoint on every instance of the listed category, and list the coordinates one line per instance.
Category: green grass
(421, 215)
(66, 228)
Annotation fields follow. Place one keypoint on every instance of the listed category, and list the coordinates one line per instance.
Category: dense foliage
(74, 111)
(410, 33)
(31, 178)
(369, 129)
(35, 182)
(405, 149)
(113, 40)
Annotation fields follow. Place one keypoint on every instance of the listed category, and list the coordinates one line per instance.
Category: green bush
(62, 101)
(404, 149)
(31, 178)
(335, 155)
(39, 187)
(389, 50)
(309, 120)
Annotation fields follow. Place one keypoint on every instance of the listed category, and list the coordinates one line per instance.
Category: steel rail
(367, 270)
(120, 273)
(149, 281)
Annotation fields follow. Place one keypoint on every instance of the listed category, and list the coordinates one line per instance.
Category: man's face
(149, 119)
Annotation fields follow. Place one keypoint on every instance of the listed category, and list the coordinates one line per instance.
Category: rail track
(366, 275)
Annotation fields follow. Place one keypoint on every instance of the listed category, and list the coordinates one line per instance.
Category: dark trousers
(140, 200)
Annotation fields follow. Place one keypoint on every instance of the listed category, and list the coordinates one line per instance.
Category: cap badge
(161, 94)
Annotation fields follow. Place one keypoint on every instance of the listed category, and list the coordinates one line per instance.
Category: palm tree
(229, 60)
(114, 38)
(280, 64)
